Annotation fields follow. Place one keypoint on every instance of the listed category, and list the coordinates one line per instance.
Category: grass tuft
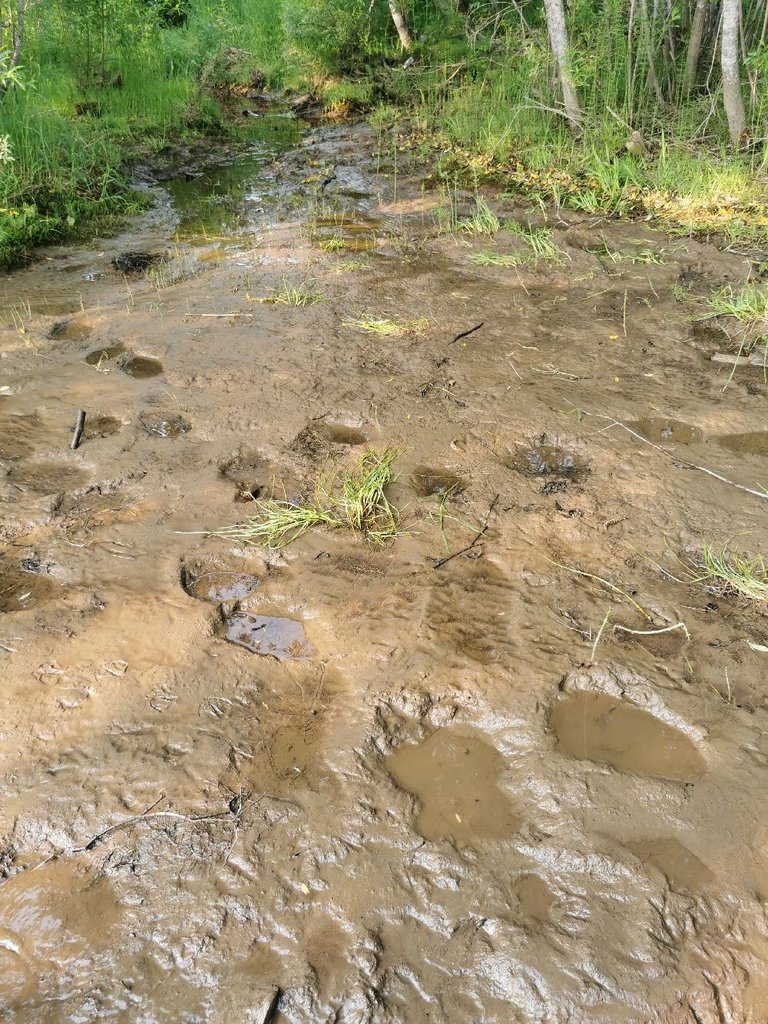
(291, 295)
(732, 574)
(748, 305)
(354, 500)
(389, 328)
(497, 259)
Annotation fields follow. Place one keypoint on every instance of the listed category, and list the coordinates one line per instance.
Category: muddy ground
(445, 793)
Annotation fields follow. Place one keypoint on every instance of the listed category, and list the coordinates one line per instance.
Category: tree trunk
(401, 24)
(17, 45)
(729, 63)
(558, 39)
(694, 46)
(19, 33)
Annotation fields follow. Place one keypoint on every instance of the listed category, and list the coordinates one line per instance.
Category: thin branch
(475, 539)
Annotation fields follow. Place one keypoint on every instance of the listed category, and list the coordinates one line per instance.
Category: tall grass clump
(354, 499)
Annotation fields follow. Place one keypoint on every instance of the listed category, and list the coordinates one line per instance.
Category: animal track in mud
(546, 458)
(47, 477)
(100, 426)
(174, 426)
(466, 615)
(319, 438)
(455, 777)
(536, 898)
(104, 354)
(70, 330)
(340, 433)
(429, 482)
(17, 434)
(210, 582)
(244, 470)
(24, 585)
(682, 868)
(595, 726)
(281, 638)
(752, 443)
(660, 430)
(140, 367)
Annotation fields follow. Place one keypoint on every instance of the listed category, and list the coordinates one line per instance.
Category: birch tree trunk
(558, 40)
(406, 40)
(694, 46)
(729, 63)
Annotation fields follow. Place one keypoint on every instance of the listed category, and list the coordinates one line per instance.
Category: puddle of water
(175, 426)
(47, 477)
(428, 482)
(48, 933)
(536, 898)
(284, 639)
(103, 355)
(682, 868)
(70, 330)
(455, 778)
(218, 584)
(225, 201)
(141, 367)
(751, 443)
(597, 727)
(660, 430)
(22, 588)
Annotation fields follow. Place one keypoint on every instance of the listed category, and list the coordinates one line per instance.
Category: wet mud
(508, 767)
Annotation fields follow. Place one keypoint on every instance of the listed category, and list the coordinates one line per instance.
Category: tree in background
(558, 40)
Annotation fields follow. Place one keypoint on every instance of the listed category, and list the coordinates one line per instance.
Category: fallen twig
(653, 632)
(219, 315)
(606, 583)
(475, 539)
(677, 458)
(466, 334)
(78, 431)
(145, 816)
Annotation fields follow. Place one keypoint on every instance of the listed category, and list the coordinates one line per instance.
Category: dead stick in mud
(78, 431)
(676, 458)
(466, 334)
(144, 816)
(475, 539)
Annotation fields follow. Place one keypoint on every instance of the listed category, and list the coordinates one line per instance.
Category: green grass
(540, 242)
(643, 257)
(482, 221)
(732, 574)
(353, 499)
(749, 304)
(386, 327)
(333, 244)
(497, 259)
(291, 295)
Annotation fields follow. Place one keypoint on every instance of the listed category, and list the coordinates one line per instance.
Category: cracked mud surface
(437, 794)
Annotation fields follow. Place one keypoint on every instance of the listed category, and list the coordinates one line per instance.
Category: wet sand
(341, 782)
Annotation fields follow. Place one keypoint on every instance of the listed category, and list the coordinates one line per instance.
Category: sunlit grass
(731, 573)
(748, 304)
(290, 295)
(387, 327)
(497, 259)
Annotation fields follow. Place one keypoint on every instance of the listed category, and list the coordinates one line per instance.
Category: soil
(340, 782)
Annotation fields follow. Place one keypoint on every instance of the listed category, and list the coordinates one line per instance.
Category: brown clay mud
(510, 766)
